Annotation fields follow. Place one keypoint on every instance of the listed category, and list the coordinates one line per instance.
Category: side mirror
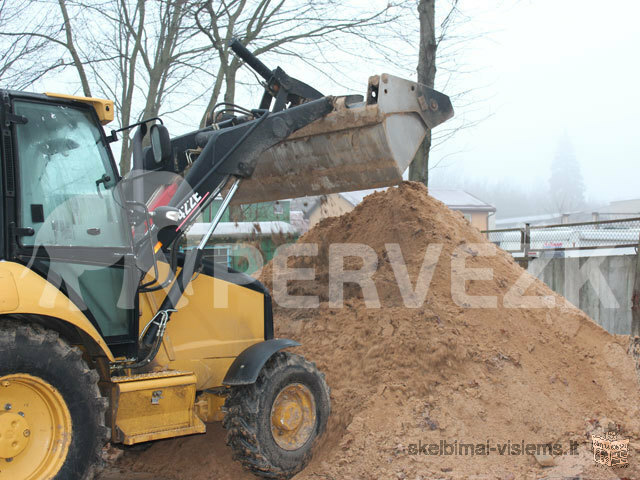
(160, 143)
(166, 217)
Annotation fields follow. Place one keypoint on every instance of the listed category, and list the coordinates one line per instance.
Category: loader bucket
(362, 144)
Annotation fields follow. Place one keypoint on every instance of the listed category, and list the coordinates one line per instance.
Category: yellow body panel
(9, 299)
(216, 320)
(104, 108)
(153, 406)
(28, 293)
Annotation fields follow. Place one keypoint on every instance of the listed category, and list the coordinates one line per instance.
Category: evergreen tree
(566, 186)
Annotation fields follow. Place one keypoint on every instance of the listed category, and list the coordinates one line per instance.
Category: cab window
(67, 192)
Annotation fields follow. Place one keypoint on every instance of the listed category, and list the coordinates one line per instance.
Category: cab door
(71, 225)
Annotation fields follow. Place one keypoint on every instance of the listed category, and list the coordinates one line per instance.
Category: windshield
(66, 179)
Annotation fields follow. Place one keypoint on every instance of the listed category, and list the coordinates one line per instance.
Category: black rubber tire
(31, 349)
(248, 411)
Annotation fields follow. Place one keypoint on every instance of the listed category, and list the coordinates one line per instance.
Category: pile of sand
(442, 372)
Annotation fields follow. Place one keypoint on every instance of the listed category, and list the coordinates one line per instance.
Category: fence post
(634, 338)
(635, 298)
(526, 246)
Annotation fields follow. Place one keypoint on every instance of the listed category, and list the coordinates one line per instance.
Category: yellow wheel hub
(293, 416)
(35, 428)
(14, 434)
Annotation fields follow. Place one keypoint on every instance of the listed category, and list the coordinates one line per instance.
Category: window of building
(222, 254)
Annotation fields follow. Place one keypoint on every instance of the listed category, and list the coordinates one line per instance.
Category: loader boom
(317, 145)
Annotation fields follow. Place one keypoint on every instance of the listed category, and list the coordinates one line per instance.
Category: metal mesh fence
(509, 239)
(586, 235)
(570, 236)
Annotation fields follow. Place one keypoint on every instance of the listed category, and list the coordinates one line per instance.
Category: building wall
(335, 205)
(479, 220)
(254, 212)
(245, 255)
(332, 206)
(236, 247)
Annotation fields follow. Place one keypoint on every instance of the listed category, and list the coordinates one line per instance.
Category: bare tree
(142, 52)
(15, 71)
(429, 43)
(155, 51)
(136, 52)
(36, 30)
(295, 27)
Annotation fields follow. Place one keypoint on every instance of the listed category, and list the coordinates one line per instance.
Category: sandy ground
(402, 376)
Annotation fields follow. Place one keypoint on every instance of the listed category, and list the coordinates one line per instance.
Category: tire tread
(241, 417)
(35, 335)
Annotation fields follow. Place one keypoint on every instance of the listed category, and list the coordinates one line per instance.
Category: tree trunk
(153, 103)
(217, 88)
(86, 90)
(419, 168)
(230, 79)
(125, 154)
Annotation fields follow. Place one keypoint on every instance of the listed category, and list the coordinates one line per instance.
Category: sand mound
(442, 372)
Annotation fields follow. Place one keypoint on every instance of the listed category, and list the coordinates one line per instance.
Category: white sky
(545, 67)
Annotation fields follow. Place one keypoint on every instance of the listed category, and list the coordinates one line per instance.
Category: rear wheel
(51, 411)
(272, 425)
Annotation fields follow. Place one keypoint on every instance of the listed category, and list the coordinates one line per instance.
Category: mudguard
(246, 367)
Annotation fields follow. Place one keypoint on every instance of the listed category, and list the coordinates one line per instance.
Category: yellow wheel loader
(109, 329)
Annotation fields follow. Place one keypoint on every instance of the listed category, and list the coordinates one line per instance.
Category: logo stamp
(609, 451)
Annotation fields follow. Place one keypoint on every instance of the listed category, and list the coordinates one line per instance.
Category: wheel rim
(293, 416)
(35, 428)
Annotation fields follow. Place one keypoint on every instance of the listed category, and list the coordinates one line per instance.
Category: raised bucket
(362, 144)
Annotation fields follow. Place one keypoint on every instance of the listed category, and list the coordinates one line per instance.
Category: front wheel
(272, 425)
(52, 417)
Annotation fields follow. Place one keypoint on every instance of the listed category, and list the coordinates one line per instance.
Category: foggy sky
(547, 67)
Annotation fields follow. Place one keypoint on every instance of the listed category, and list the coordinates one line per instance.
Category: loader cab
(62, 216)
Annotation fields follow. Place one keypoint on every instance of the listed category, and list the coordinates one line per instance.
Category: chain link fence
(510, 240)
(530, 241)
